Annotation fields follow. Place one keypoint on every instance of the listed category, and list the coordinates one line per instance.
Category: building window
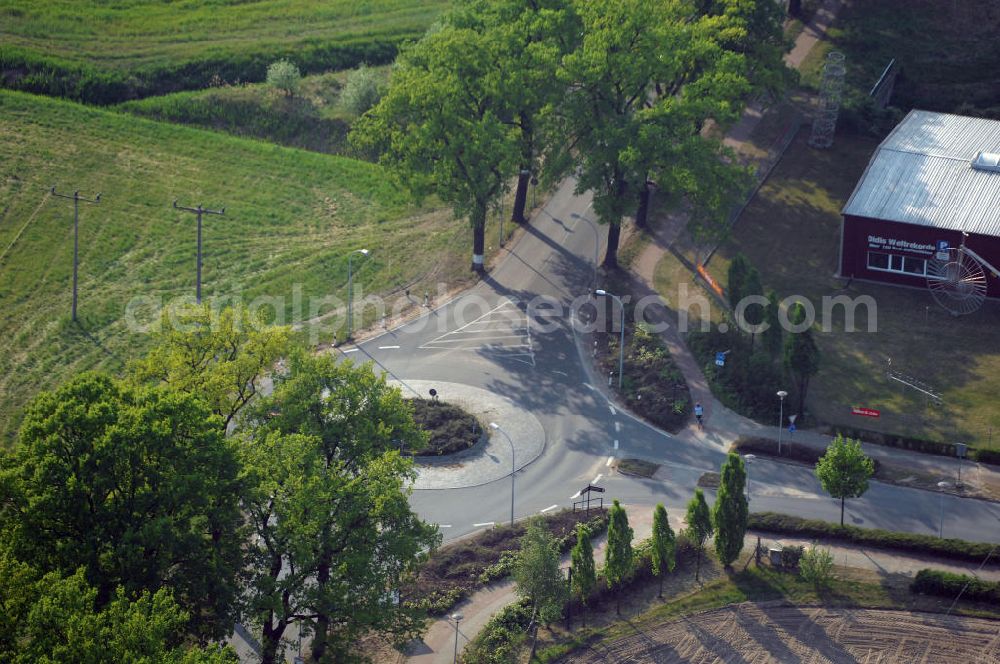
(916, 267)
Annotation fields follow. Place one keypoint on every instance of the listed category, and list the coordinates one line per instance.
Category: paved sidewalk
(489, 459)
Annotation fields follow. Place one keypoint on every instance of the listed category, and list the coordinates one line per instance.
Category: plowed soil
(762, 633)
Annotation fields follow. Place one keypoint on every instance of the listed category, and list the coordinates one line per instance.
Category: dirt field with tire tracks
(762, 633)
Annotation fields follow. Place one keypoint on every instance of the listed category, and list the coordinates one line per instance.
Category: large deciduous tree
(731, 512)
(135, 485)
(844, 470)
(618, 556)
(218, 356)
(56, 618)
(640, 86)
(530, 37)
(442, 128)
(335, 535)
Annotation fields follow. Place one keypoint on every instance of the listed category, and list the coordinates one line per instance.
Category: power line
(76, 198)
(198, 211)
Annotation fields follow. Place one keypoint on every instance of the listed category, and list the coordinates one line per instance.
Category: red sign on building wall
(866, 412)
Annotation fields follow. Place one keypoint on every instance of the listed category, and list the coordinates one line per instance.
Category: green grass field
(291, 216)
(313, 119)
(142, 33)
(791, 232)
(946, 48)
(106, 53)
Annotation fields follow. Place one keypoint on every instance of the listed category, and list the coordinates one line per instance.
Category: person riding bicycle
(699, 412)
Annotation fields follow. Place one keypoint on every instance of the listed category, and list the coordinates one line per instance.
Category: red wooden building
(935, 177)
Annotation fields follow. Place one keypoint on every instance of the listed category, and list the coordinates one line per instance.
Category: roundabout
(491, 458)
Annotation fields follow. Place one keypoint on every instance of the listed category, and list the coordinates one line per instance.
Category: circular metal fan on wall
(957, 282)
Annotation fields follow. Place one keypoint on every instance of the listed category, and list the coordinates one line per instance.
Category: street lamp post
(748, 459)
(943, 486)
(597, 244)
(350, 290)
(457, 617)
(621, 345)
(781, 416)
(496, 427)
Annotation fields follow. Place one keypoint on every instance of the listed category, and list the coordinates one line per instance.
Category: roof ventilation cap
(987, 161)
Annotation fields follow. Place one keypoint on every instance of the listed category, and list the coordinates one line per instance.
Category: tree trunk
(270, 640)
(660, 594)
(478, 239)
(842, 510)
(618, 602)
(697, 569)
(642, 213)
(322, 619)
(611, 253)
(521, 197)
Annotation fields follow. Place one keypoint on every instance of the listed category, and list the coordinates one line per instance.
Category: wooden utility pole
(76, 198)
(198, 211)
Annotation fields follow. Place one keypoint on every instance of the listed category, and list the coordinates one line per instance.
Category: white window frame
(893, 258)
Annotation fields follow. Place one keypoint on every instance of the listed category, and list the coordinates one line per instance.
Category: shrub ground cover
(449, 427)
(291, 217)
(314, 119)
(106, 53)
(456, 570)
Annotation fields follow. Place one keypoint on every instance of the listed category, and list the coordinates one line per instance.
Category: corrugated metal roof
(922, 174)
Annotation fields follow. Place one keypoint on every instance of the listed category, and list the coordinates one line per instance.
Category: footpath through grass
(291, 217)
(106, 52)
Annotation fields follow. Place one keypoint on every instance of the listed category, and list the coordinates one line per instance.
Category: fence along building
(935, 176)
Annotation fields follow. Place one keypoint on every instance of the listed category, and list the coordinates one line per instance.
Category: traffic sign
(865, 412)
(720, 359)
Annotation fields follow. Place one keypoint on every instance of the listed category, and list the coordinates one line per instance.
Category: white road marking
(618, 426)
(561, 373)
(387, 347)
(616, 443)
(589, 386)
(611, 460)
(613, 411)
(548, 509)
(481, 525)
(498, 336)
(597, 479)
(350, 350)
(575, 496)
(444, 525)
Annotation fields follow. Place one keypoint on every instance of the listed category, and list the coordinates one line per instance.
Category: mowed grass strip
(791, 233)
(291, 217)
(139, 33)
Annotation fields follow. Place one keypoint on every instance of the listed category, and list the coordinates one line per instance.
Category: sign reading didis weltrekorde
(896, 245)
(866, 412)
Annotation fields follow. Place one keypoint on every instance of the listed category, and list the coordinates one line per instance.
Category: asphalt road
(514, 334)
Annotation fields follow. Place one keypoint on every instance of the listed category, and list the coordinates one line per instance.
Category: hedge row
(954, 549)
(916, 444)
(789, 450)
(26, 70)
(947, 584)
